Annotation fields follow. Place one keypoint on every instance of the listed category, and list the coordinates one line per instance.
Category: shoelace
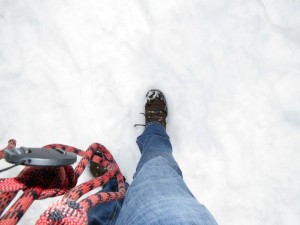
(44, 182)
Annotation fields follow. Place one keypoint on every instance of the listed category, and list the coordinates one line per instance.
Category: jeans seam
(113, 214)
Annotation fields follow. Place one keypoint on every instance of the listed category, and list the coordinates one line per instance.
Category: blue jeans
(106, 213)
(158, 194)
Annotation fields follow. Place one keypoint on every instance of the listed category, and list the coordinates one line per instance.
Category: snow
(76, 72)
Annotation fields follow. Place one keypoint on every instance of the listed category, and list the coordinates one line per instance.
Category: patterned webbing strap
(44, 182)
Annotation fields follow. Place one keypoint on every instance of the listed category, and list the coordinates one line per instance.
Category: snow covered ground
(76, 72)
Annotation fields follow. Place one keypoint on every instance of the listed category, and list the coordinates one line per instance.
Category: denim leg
(108, 212)
(158, 194)
(155, 142)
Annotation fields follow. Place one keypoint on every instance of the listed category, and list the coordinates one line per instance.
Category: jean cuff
(154, 128)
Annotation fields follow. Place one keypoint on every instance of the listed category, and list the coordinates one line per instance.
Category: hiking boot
(156, 109)
(96, 169)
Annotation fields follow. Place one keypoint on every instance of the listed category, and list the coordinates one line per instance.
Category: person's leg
(155, 142)
(106, 213)
(158, 194)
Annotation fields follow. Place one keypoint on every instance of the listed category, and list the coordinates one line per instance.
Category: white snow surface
(76, 72)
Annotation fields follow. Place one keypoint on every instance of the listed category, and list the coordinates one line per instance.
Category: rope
(44, 182)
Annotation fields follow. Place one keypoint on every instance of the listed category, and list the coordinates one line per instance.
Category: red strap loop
(45, 182)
